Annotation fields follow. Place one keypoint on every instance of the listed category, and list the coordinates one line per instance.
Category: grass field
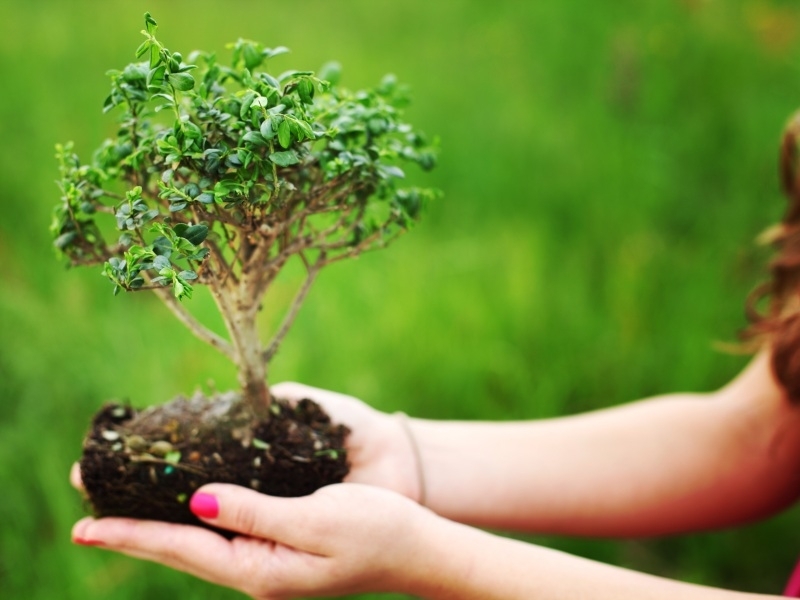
(603, 188)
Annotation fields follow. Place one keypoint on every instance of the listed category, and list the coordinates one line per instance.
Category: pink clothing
(793, 586)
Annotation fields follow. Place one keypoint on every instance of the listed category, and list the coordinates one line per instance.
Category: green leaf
(194, 233)
(173, 457)
(181, 81)
(260, 444)
(261, 101)
(271, 52)
(142, 49)
(155, 56)
(284, 159)
(149, 215)
(200, 254)
(247, 102)
(252, 57)
(150, 23)
(306, 129)
(205, 198)
(181, 290)
(331, 72)
(64, 240)
(187, 275)
(331, 453)
(284, 134)
(161, 262)
(246, 156)
(169, 100)
(254, 138)
(116, 263)
(155, 77)
(388, 84)
(286, 75)
(270, 80)
(305, 88)
(175, 63)
(391, 171)
(109, 103)
(266, 129)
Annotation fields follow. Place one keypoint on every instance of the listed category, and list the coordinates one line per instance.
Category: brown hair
(779, 324)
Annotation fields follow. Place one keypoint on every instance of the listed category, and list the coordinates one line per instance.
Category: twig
(290, 316)
(364, 246)
(109, 194)
(185, 317)
(220, 259)
(229, 271)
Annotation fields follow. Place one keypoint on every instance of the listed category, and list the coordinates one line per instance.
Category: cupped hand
(379, 448)
(345, 538)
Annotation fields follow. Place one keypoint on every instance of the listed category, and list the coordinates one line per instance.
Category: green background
(606, 168)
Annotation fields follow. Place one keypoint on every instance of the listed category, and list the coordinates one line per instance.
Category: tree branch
(222, 264)
(290, 316)
(185, 317)
(219, 215)
(364, 246)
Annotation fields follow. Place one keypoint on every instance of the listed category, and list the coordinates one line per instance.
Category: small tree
(220, 175)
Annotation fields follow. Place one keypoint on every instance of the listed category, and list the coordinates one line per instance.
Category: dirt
(147, 464)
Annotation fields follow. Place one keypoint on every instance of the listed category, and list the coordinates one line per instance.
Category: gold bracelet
(404, 423)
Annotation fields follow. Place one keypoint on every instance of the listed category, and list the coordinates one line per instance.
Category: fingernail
(204, 505)
(84, 542)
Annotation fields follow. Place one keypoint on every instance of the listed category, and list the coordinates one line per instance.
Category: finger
(341, 407)
(288, 521)
(293, 392)
(75, 478)
(194, 550)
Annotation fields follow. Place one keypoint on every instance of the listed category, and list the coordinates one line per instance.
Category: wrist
(450, 561)
(418, 483)
(433, 560)
(381, 455)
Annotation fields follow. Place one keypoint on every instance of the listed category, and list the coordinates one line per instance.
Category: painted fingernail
(84, 542)
(204, 505)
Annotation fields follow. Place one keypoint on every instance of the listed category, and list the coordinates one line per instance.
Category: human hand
(379, 447)
(342, 539)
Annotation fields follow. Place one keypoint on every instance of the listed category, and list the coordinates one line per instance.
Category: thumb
(250, 513)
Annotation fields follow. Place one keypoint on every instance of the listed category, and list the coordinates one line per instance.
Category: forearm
(460, 562)
(665, 465)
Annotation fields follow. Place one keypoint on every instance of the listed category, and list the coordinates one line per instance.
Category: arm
(481, 566)
(668, 464)
(350, 538)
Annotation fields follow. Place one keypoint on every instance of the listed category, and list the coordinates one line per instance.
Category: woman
(670, 464)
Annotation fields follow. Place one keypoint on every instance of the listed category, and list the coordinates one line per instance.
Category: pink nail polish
(84, 542)
(204, 505)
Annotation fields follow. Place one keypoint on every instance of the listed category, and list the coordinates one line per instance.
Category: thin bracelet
(404, 423)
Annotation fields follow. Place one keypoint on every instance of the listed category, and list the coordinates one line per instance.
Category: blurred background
(606, 168)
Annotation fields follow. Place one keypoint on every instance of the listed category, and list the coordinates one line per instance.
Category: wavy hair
(778, 323)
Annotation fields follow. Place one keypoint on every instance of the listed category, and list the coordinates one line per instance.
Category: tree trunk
(250, 362)
(240, 320)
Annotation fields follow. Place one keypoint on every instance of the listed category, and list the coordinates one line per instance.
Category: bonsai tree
(221, 175)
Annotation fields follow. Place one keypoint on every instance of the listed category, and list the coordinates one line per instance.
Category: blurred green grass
(606, 168)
